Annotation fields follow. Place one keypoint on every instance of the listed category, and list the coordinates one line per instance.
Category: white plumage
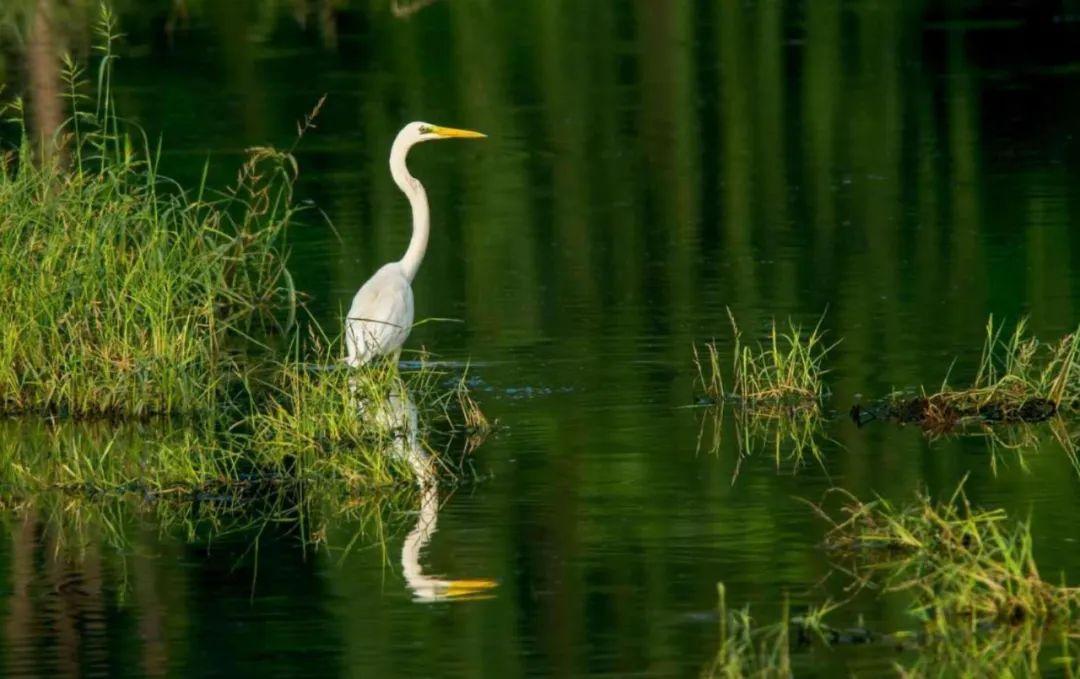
(381, 314)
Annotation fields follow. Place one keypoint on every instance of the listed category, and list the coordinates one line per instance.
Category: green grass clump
(325, 420)
(1019, 379)
(122, 291)
(786, 369)
(961, 565)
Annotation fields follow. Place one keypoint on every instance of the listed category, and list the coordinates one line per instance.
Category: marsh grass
(321, 418)
(786, 369)
(961, 565)
(123, 292)
(94, 459)
(1019, 379)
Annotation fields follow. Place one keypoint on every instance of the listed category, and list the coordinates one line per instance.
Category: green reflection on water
(649, 164)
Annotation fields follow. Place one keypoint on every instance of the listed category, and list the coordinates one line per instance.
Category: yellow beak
(451, 133)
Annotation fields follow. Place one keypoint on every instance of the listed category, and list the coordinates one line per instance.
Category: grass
(983, 607)
(960, 564)
(1019, 379)
(99, 458)
(786, 369)
(325, 420)
(123, 292)
(312, 425)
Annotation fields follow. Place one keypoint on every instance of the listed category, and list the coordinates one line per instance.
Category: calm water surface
(907, 168)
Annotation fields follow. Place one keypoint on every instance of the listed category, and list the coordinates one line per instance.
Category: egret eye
(424, 129)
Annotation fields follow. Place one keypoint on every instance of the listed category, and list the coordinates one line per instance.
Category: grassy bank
(123, 291)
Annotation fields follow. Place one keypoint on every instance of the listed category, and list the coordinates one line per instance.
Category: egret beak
(451, 133)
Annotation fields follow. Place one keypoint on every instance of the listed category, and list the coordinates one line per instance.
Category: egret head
(428, 132)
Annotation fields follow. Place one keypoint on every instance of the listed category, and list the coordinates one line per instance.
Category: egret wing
(380, 318)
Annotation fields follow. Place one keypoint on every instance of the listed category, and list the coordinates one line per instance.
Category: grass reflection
(791, 436)
(76, 518)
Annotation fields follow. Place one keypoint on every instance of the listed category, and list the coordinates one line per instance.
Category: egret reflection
(400, 415)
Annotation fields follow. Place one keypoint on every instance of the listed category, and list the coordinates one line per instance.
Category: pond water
(902, 169)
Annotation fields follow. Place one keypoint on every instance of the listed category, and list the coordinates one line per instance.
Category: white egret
(381, 314)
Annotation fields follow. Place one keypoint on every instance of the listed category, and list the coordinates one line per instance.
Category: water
(903, 168)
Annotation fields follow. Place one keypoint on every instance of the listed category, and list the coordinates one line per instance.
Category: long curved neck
(421, 216)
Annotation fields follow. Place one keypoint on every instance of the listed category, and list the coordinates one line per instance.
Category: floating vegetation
(124, 292)
(786, 369)
(961, 565)
(970, 574)
(1019, 379)
(776, 394)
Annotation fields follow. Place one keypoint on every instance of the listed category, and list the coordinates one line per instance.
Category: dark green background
(910, 167)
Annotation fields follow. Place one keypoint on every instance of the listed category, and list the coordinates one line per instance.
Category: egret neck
(414, 191)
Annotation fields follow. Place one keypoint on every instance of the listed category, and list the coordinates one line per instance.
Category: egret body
(381, 314)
